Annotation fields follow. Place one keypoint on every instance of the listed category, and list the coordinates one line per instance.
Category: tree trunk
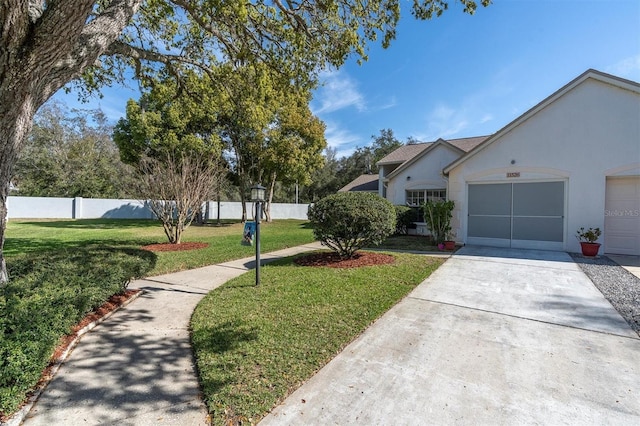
(272, 185)
(16, 120)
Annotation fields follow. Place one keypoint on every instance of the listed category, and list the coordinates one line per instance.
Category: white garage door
(622, 216)
(519, 215)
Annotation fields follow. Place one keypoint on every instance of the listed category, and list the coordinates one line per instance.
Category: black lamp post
(257, 195)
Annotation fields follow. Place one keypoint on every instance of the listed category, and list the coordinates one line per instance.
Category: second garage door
(519, 215)
(622, 216)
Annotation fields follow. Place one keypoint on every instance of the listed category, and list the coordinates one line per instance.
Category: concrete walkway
(628, 262)
(137, 368)
(494, 336)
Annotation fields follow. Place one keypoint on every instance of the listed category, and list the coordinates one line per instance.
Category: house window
(436, 194)
(415, 198)
(419, 197)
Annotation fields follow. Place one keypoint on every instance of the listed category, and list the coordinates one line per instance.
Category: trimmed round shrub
(348, 221)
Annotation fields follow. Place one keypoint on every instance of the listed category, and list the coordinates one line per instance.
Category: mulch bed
(175, 247)
(333, 260)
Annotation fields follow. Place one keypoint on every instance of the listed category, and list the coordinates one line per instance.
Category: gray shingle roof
(404, 153)
(467, 144)
(362, 183)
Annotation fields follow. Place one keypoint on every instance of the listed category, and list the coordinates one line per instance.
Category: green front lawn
(254, 345)
(224, 241)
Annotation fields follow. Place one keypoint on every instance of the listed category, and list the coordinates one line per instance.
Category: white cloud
(473, 114)
(627, 68)
(445, 121)
(341, 139)
(338, 91)
(486, 118)
(392, 103)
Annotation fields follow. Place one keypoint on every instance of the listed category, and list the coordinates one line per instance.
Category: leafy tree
(46, 44)
(172, 138)
(294, 144)
(348, 221)
(68, 156)
(249, 103)
(324, 181)
(337, 172)
(383, 145)
(168, 119)
(363, 160)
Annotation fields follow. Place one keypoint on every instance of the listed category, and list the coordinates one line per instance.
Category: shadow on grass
(224, 337)
(214, 344)
(216, 224)
(81, 259)
(94, 223)
(15, 246)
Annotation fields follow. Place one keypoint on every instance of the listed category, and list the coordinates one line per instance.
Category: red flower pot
(589, 249)
(449, 245)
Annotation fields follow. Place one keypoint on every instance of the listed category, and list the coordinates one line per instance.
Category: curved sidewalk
(137, 367)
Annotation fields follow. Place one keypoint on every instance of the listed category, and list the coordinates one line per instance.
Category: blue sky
(461, 75)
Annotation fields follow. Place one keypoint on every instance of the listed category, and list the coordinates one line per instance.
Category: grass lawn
(254, 345)
(224, 241)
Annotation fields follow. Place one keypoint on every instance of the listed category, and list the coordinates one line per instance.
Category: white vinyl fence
(95, 208)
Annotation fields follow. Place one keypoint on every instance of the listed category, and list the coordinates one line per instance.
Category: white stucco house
(412, 174)
(571, 161)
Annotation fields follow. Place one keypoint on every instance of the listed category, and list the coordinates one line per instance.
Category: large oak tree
(45, 44)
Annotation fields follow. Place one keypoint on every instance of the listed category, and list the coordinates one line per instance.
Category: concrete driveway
(494, 336)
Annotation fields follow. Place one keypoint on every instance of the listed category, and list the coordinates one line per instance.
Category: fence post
(77, 208)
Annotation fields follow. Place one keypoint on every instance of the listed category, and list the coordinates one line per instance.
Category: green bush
(405, 217)
(437, 215)
(48, 293)
(348, 221)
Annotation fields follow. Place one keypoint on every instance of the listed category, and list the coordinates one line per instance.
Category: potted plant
(449, 242)
(437, 215)
(588, 240)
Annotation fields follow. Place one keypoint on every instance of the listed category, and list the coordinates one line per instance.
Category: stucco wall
(425, 173)
(589, 133)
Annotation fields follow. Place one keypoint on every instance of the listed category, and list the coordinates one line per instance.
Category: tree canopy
(44, 45)
(71, 154)
(170, 119)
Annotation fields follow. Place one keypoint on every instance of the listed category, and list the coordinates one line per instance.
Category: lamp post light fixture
(257, 195)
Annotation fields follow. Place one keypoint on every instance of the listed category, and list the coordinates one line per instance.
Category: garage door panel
(490, 199)
(538, 199)
(490, 227)
(538, 229)
(531, 214)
